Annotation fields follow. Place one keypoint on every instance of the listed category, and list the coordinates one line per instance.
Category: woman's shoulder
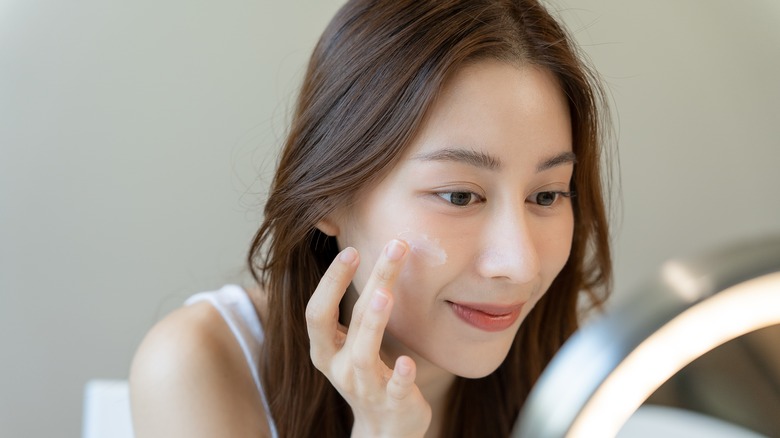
(195, 331)
(189, 377)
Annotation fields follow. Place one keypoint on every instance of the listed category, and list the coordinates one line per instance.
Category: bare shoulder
(189, 378)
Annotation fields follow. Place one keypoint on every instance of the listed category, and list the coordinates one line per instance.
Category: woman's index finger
(387, 268)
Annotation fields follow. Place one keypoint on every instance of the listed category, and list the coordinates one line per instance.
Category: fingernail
(379, 300)
(403, 368)
(348, 255)
(395, 250)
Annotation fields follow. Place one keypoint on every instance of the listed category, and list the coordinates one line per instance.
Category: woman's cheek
(424, 249)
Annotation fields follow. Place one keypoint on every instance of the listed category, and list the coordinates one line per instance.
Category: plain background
(137, 140)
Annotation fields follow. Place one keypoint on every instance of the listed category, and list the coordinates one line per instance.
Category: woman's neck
(436, 392)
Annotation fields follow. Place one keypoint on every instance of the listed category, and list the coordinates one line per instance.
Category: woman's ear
(328, 226)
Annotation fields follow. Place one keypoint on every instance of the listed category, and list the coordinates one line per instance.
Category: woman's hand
(385, 402)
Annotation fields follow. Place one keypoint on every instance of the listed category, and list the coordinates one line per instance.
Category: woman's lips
(488, 317)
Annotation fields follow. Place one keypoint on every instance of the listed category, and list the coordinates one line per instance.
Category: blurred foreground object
(614, 363)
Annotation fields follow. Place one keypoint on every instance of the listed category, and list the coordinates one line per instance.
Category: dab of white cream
(426, 248)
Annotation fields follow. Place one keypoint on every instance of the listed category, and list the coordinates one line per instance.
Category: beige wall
(132, 136)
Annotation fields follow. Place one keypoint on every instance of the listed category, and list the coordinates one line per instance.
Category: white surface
(658, 421)
(107, 410)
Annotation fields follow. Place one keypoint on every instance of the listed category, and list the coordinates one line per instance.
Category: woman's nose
(509, 251)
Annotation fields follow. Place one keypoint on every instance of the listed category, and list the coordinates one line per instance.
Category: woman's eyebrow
(487, 161)
(466, 156)
(558, 160)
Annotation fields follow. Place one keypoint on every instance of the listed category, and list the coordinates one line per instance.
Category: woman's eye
(460, 199)
(547, 199)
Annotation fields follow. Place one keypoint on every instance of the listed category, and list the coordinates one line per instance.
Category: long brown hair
(371, 79)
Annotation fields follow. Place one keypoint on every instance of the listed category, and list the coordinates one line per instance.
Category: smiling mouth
(487, 317)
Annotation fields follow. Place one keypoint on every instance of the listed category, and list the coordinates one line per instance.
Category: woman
(435, 216)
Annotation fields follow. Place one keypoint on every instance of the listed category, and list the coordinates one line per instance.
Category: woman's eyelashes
(460, 198)
(548, 198)
(465, 198)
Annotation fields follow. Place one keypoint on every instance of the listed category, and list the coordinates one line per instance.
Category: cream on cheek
(424, 247)
(422, 276)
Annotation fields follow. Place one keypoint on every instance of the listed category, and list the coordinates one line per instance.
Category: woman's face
(477, 196)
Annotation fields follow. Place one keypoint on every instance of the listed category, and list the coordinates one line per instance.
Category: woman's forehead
(490, 111)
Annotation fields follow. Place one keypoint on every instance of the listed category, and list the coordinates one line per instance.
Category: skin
(401, 344)
(502, 246)
(189, 378)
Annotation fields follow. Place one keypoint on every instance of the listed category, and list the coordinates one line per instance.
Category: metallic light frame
(606, 370)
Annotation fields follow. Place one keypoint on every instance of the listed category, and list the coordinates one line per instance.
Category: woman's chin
(474, 372)
(476, 366)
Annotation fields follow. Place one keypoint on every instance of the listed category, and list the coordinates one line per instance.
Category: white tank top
(239, 313)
